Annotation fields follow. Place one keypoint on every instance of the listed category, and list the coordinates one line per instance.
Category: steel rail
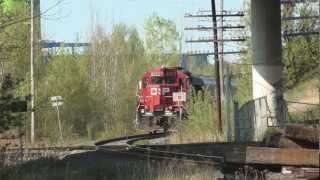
(129, 140)
(125, 145)
(51, 148)
(219, 159)
(149, 155)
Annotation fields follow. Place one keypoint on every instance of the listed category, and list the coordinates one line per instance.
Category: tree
(244, 69)
(116, 61)
(14, 50)
(300, 53)
(7, 5)
(7, 98)
(14, 44)
(161, 40)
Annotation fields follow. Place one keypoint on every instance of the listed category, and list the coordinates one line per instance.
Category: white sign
(56, 101)
(56, 98)
(179, 96)
(55, 104)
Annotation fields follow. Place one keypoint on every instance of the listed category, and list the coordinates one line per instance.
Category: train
(161, 97)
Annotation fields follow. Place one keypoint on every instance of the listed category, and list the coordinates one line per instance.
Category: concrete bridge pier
(267, 68)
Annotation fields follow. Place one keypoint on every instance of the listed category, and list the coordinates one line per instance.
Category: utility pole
(221, 50)
(217, 53)
(217, 72)
(228, 95)
(31, 69)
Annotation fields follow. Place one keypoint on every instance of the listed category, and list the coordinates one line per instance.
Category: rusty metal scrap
(282, 156)
(303, 133)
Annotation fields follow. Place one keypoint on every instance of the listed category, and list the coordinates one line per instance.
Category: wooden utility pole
(31, 69)
(35, 37)
(221, 50)
(227, 101)
(217, 72)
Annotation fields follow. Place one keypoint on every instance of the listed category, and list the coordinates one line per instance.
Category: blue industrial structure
(55, 44)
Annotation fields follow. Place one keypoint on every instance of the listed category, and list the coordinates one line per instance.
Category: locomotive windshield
(170, 79)
(160, 80)
(156, 80)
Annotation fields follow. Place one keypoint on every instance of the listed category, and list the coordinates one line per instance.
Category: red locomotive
(161, 97)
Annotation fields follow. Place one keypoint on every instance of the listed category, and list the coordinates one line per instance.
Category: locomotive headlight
(142, 110)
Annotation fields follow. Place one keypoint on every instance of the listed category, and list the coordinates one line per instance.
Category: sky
(71, 20)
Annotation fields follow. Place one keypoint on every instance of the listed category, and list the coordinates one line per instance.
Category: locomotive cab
(156, 105)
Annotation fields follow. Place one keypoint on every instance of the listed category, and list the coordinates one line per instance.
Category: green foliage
(244, 88)
(7, 5)
(199, 65)
(300, 54)
(64, 78)
(243, 70)
(161, 40)
(200, 124)
(310, 117)
(98, 87)
(7, 97)
(14, 40)
(14, 50)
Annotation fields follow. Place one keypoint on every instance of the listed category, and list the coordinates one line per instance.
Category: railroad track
(51, 148)
(129, 140)
(125, 146)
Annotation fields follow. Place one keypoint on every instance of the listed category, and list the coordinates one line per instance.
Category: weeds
(107, 169)
(200, 125)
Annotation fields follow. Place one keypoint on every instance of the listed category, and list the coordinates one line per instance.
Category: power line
(207, 28)
(207, 40)
(299, 18)
(298, 1)
(199, 15)
(199, 53)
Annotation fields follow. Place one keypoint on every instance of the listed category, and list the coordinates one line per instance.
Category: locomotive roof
(161, 68)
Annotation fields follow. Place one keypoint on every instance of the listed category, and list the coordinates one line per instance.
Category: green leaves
(161, 39)
(300, 53)
(7, 5)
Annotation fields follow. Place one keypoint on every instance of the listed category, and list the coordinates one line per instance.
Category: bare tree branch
(7, 24)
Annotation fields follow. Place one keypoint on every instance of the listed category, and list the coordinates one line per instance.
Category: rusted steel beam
(303, 133)
(247, 153)
(282, 156)
(277, 140)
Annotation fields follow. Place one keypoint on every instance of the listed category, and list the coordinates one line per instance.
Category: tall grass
(86, 169)
(200, 124)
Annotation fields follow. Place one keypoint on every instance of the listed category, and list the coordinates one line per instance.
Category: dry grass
(180, 138)
(51, 169)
